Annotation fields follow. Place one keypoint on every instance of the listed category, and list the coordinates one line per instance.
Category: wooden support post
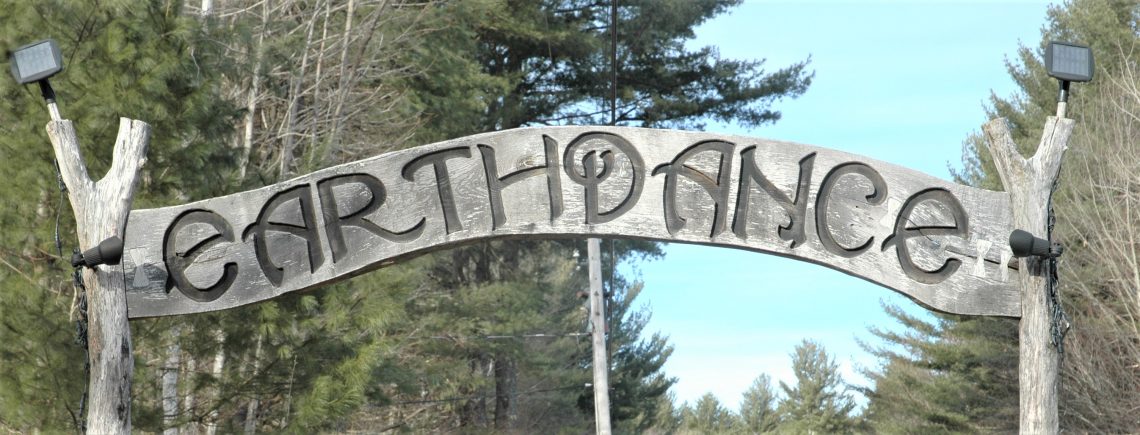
(1030, 186)
(598, 319)
(101, 209)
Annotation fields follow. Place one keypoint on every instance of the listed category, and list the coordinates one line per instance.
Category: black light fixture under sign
(108, 252)
(1025, 244)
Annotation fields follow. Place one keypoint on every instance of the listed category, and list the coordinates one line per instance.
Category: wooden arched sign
(942, 244)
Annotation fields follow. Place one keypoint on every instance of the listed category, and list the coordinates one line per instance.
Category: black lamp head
(109, 251)
(1024, 244)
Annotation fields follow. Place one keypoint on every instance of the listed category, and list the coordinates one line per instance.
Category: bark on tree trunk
(254, 94)
(317, 79)
(473, 413)
(190, 425)
(290, 129)
(1030, 185)
(254, 403)
(506, 380)
(101, 209)
(170, 382)
(333, 142)
(219, 364)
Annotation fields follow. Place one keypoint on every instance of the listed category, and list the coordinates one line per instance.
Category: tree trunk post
(1030, 185)
(101, 209)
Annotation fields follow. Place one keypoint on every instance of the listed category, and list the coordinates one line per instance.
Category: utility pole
(593, 255)
(598, 320)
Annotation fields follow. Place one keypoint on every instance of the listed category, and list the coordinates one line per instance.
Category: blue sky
(902, 82)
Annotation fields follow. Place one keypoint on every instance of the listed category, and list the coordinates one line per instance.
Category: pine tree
(667, 417)
(955, 375)
(707, 416)
(547, 63)
(758, 408)
(819, 401)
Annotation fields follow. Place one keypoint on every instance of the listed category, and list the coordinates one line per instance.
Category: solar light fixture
(36, 62)
(1068, 62)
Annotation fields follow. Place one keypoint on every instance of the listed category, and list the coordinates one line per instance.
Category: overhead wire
(463, 398)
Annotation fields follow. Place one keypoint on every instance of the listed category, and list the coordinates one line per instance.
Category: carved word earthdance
(715, 191)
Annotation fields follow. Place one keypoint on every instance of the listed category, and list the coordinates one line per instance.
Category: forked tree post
(101, 209)
(1029, 183)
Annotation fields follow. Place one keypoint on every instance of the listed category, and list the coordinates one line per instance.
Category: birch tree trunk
(1030, 186)
(289, 135)
(170, 382)
(253, 95)
(189, 400)
(345, 87)
(219, 364)
(506, 393)
(101, 209)
(254, 402)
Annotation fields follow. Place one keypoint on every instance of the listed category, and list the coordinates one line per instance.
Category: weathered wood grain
(1030, 184)
(940, 243)
(101, 209)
